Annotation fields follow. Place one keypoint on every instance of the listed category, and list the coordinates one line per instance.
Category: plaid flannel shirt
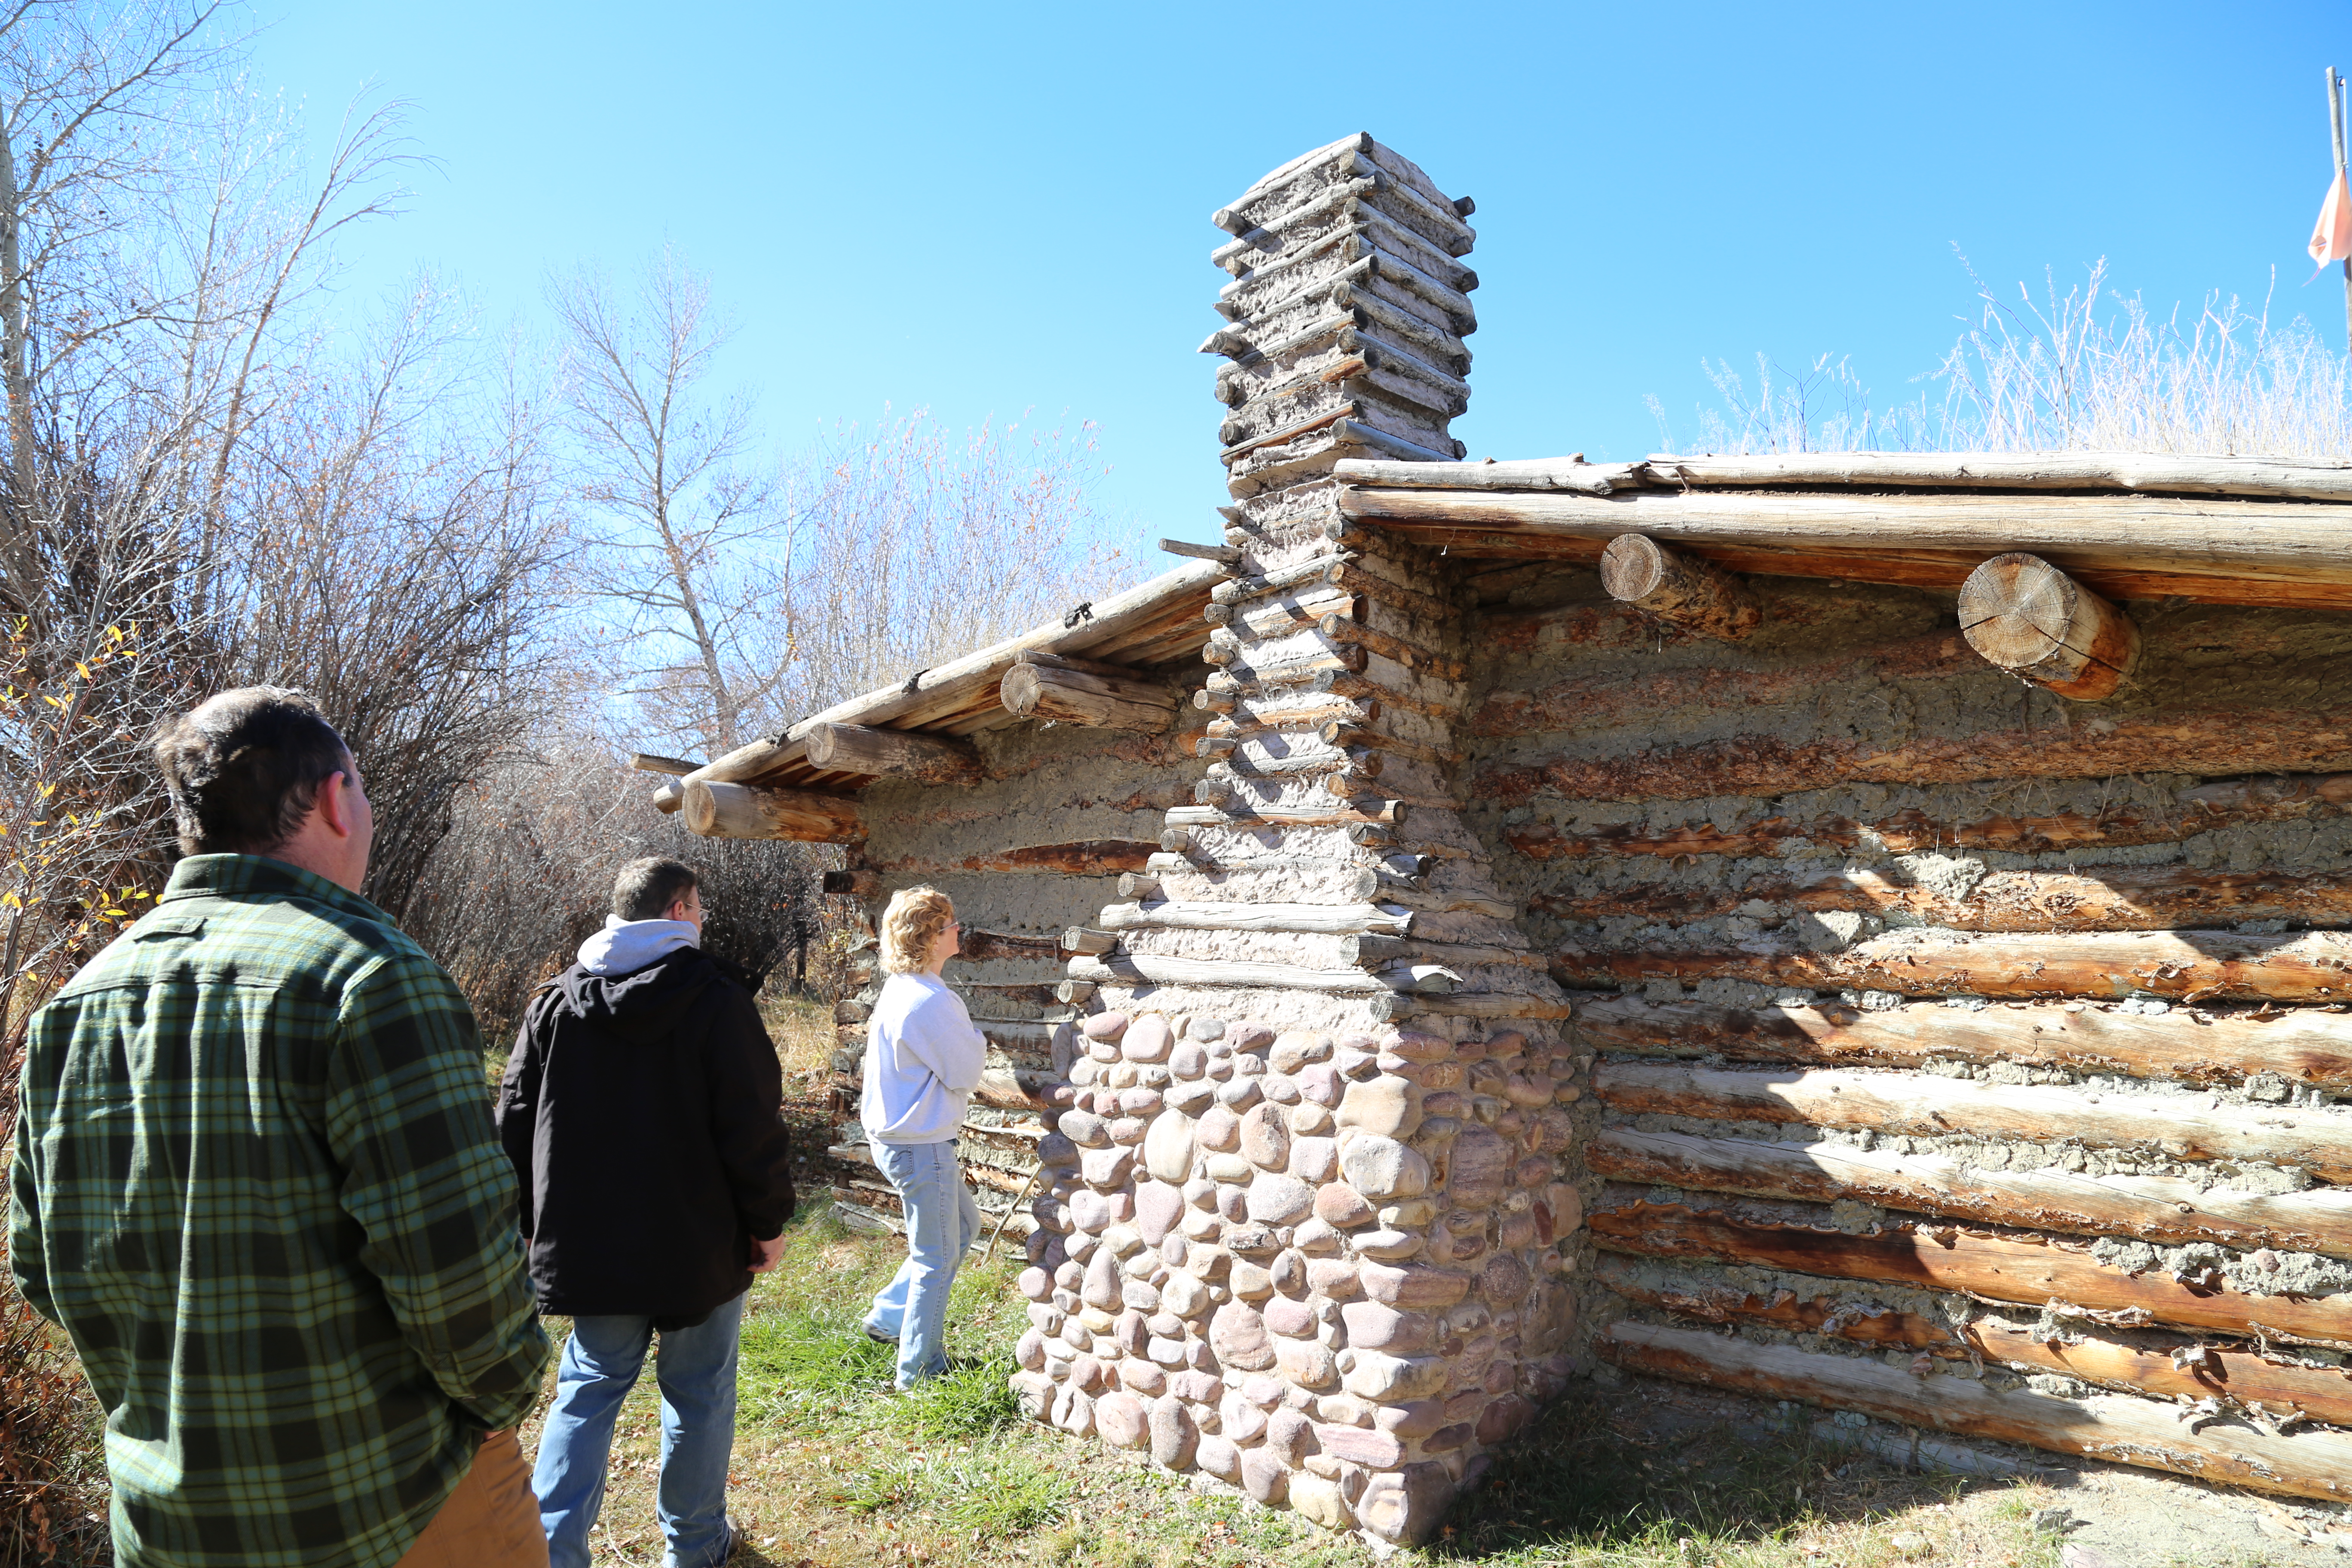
(257, 1182)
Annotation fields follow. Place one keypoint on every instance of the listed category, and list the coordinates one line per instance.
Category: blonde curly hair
(909, 926)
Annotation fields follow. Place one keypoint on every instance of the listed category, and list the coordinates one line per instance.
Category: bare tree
(690, 543)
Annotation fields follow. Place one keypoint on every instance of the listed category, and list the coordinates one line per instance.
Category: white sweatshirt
(923, 1059)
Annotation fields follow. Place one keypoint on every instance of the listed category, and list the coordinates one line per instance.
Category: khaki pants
(492, 1520)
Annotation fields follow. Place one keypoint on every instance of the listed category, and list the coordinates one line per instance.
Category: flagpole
(2336, 132)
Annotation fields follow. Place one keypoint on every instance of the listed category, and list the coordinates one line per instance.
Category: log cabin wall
(1968, 1057)
(1032, 847)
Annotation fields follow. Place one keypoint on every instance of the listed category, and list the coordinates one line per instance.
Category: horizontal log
(669, 797)
(1364, 809)
(2204, 808)
(2119, 1427)
(2148, 1208)
(2185, 965)
(893, 753)
(1332, 919)
(2104, 899)
(1524, 1006)
(1081, 858)
(988, 946)
(2198, 1371)
(2220, 740)
(1239, 590)
(1017, 1088)
(1343, 631)
(2029, 618)
(653, 762)
(1921, 1105)
(2287, 540)
(1564, 474)
(1095, 702)
(2139, 471)
(1679, 589)
(1276, 616)
(1078, 939)
(1223, 554)
(1992, 1263)
(1130, 968)
(2306, 1045)
(713, 809)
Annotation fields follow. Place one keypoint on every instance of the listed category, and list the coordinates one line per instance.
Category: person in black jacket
(640, 1109)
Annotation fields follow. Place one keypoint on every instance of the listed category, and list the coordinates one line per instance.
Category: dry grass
(803, 1031)
(2090, 369)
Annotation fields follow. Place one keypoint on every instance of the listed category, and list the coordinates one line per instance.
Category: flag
(2331, 238)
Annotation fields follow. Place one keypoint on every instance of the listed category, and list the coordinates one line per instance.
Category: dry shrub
(526, 871)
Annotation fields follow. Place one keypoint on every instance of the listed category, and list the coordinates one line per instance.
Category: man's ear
(334, 804)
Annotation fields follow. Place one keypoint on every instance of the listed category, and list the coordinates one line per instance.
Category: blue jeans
(942, 1222)
(696, 1371)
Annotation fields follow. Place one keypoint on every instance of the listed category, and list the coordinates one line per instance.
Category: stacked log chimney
(1313, 1181)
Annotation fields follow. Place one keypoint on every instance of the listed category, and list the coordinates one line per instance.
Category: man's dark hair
(244, 768)
(646, 889)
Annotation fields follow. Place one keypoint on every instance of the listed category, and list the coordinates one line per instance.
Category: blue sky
(983, 210)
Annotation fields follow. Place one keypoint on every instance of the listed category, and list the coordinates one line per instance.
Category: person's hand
(771, 1253)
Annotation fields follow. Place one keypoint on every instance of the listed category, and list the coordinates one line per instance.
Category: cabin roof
(1147, 627)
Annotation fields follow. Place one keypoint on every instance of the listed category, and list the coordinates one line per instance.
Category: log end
(2026, 617)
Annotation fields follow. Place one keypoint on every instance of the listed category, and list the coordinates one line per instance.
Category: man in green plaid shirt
(257, 1182)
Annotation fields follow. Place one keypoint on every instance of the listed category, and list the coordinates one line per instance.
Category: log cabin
(1862, 930)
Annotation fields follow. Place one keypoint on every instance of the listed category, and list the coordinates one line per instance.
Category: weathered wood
(2106, 898)
(2190, 965)
(2313, 1464)
(1568, 474)
(2032, 620)
(2165, 1127)
(1167, 603)
(1078, 939)
(2201, 1371)
(863, 884)
(2303, 1046)
(985, 946)
(1273, 617)
(1238, 590)
(2283, 540)
(1524, 1007)
(1095, 702)
(2148, 1208)
(1017, 1088)
(1680, 590)
(715, 809)
(1082, 858)
(1344, 734)
(2022, 1267)
(1223, 554)
(1363, 809)
(893, 753)
(1332, 919)
(669, 797)
(1131, 968)
(2143, 472)
(1344, 632)
(2220, 738)
(1137, 886)
(1074, 991)
(651, 763)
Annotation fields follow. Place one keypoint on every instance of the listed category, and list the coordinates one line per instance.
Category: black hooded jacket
(640, 1112)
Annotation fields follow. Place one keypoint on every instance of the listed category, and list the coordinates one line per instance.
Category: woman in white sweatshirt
(923, 1059)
